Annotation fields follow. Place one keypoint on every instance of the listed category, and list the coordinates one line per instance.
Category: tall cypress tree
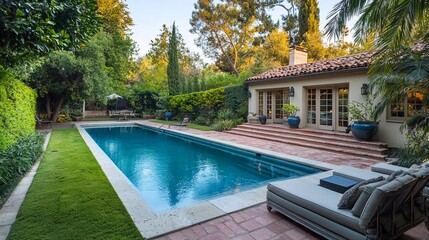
(309, 33)
(173, 64)
(308, 18)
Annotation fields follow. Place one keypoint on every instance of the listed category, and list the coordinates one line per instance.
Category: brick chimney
(297, 55)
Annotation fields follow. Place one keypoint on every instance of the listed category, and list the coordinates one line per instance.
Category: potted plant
(364, 125)
(292, 119)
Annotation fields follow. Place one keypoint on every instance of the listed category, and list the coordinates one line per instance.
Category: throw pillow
(394, 175)
(350, 197)
(363, 198)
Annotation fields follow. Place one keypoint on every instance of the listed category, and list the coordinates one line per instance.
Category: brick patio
(256, 222)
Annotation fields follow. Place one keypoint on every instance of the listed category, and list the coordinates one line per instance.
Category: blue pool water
(176, 171)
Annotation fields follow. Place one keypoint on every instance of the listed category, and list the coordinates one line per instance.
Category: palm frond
(342, 12)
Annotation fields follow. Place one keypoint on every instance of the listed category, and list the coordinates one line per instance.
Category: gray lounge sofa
(391, 209)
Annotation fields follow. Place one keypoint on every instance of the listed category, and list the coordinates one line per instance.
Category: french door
(270, 104)
(327, 108)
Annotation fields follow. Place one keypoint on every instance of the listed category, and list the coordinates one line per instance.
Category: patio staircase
(315, 139)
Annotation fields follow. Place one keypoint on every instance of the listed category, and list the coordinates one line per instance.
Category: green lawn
(190, 125)
(71, 198)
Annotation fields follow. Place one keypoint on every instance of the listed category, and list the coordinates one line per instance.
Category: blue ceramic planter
(364, 130)
(168, 116)
(263, 119)
(293, 122)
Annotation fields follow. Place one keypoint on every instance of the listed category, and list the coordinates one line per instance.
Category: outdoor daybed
(387, 208)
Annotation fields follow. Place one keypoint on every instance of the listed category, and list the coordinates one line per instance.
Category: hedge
(17, 109)
(236, 99)
(192, 103)
(198, 103)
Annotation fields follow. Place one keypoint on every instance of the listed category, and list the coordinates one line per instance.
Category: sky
(150, 15)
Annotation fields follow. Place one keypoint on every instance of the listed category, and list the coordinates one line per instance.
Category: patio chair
(183, 123)
(388, 208)
(41, 122)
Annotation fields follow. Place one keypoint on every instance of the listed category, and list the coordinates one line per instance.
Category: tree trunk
(48, 106)
(58, 109)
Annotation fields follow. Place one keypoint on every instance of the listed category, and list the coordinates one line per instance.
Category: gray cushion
(418, 172)
(355, 173)
(350, 197)
(364, 196)
(378, 194)
(386, 168)
(315, 198)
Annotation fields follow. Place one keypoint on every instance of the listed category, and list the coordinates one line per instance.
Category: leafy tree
(116, 21)
(290, 19)
(158, 51)
(63, 76)
(58, 79)
(152, 69)
(31, 28)
(153, 75)
(173, 64)
(276, 47)
(115, 17)
(226, 30)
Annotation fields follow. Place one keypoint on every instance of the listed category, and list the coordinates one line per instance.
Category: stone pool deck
(256, 223)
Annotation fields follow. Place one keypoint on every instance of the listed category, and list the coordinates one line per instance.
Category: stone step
(320, 134)
(318, 141)
(315, 139)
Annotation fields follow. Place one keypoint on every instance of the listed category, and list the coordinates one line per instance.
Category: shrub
(416, 149)
(63, 118)
(225, 114)
(224, 125)
(17, 159)
(200, 120)
(144, 100)
(17, 109)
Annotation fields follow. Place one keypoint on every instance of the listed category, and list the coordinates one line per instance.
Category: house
(322, 90)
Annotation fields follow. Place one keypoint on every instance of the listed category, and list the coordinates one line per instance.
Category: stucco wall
(388, 131)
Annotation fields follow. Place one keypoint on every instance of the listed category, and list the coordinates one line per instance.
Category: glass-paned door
(269, 105)
(260, 103)
(311, 106)
(280, 98)
(343, 102)
(326, 108)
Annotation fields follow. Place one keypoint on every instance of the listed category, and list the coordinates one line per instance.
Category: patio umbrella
(114, 96)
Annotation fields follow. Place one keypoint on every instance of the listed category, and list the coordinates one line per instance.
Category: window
(406, 106)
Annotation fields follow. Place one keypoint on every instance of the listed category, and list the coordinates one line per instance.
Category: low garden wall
(93, 114)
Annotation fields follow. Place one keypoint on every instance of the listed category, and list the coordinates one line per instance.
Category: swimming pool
(172, 170)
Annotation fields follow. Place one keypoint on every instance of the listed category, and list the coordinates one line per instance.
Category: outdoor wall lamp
(249, 94)
(291, 92)
(364, 89)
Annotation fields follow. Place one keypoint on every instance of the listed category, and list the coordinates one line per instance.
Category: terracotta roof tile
(360, 60)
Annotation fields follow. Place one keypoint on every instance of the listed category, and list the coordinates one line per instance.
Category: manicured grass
(190, 125)
(71, 198)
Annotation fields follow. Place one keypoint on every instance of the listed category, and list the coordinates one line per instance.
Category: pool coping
(151, 224)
